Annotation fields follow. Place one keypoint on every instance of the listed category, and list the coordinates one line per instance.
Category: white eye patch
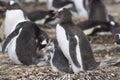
(112, 23)
(12, 2)
(60, 9)
(44, 42)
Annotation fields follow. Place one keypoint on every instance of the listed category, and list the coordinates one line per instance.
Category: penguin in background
(14, 14)
(97, 10)
(82, 9)
(57, 4)
(58, 61)
(92, 27)
(115, 29)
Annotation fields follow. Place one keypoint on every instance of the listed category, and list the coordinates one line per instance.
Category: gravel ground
(103, 49)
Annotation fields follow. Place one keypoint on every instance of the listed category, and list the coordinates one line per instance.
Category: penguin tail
(110, 62)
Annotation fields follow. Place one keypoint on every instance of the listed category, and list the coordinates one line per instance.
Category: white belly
(12, 50)
(64, 45)
(13, 17)
(12, 53)
(62, 41)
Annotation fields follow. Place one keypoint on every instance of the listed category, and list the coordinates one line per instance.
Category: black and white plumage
(75, 46)
(23, 38)
(14, 14)
(82, 9)
(97, 10)
(73, 43)
(57, 4)
(92, 27)
(23, 42)
(58, 61)
(115, 29)
(41, 17)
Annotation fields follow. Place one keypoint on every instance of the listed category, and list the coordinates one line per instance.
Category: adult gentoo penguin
(75, 46)
(24, 40)
(58, 61)
(14, 14)
(41, 17)
(23, 43)
(73, 43)
(82, 8)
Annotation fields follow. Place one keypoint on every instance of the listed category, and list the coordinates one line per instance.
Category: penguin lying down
(24, 43)
(74, 46)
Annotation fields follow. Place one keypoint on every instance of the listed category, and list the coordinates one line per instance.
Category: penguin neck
(66, 21)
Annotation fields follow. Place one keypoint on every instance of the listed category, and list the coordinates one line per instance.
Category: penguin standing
(97, 10)
(13, 16)
(73, 43)
(58, 61)
(24, 40)
(75, 46)
(82, 9)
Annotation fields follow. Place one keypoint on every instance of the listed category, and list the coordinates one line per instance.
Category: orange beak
(55, 15)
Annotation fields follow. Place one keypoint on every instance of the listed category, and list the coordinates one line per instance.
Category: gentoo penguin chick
(13, 16)
(58, 61)
(73, 43)
(24, 42)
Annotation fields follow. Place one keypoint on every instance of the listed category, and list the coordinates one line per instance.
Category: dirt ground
(103, 49)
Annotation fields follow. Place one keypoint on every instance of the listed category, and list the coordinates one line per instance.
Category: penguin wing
(72, 50)
(10, 37)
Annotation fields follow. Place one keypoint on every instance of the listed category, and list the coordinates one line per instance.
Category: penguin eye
(60, 15)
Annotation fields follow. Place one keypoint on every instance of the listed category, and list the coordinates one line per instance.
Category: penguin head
(63, 14)
(13, 5)
(51, 20)
(117, 39)
(50, 15)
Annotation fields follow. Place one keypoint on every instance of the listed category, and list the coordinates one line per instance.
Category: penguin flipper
(10, 37)
(72, 49)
